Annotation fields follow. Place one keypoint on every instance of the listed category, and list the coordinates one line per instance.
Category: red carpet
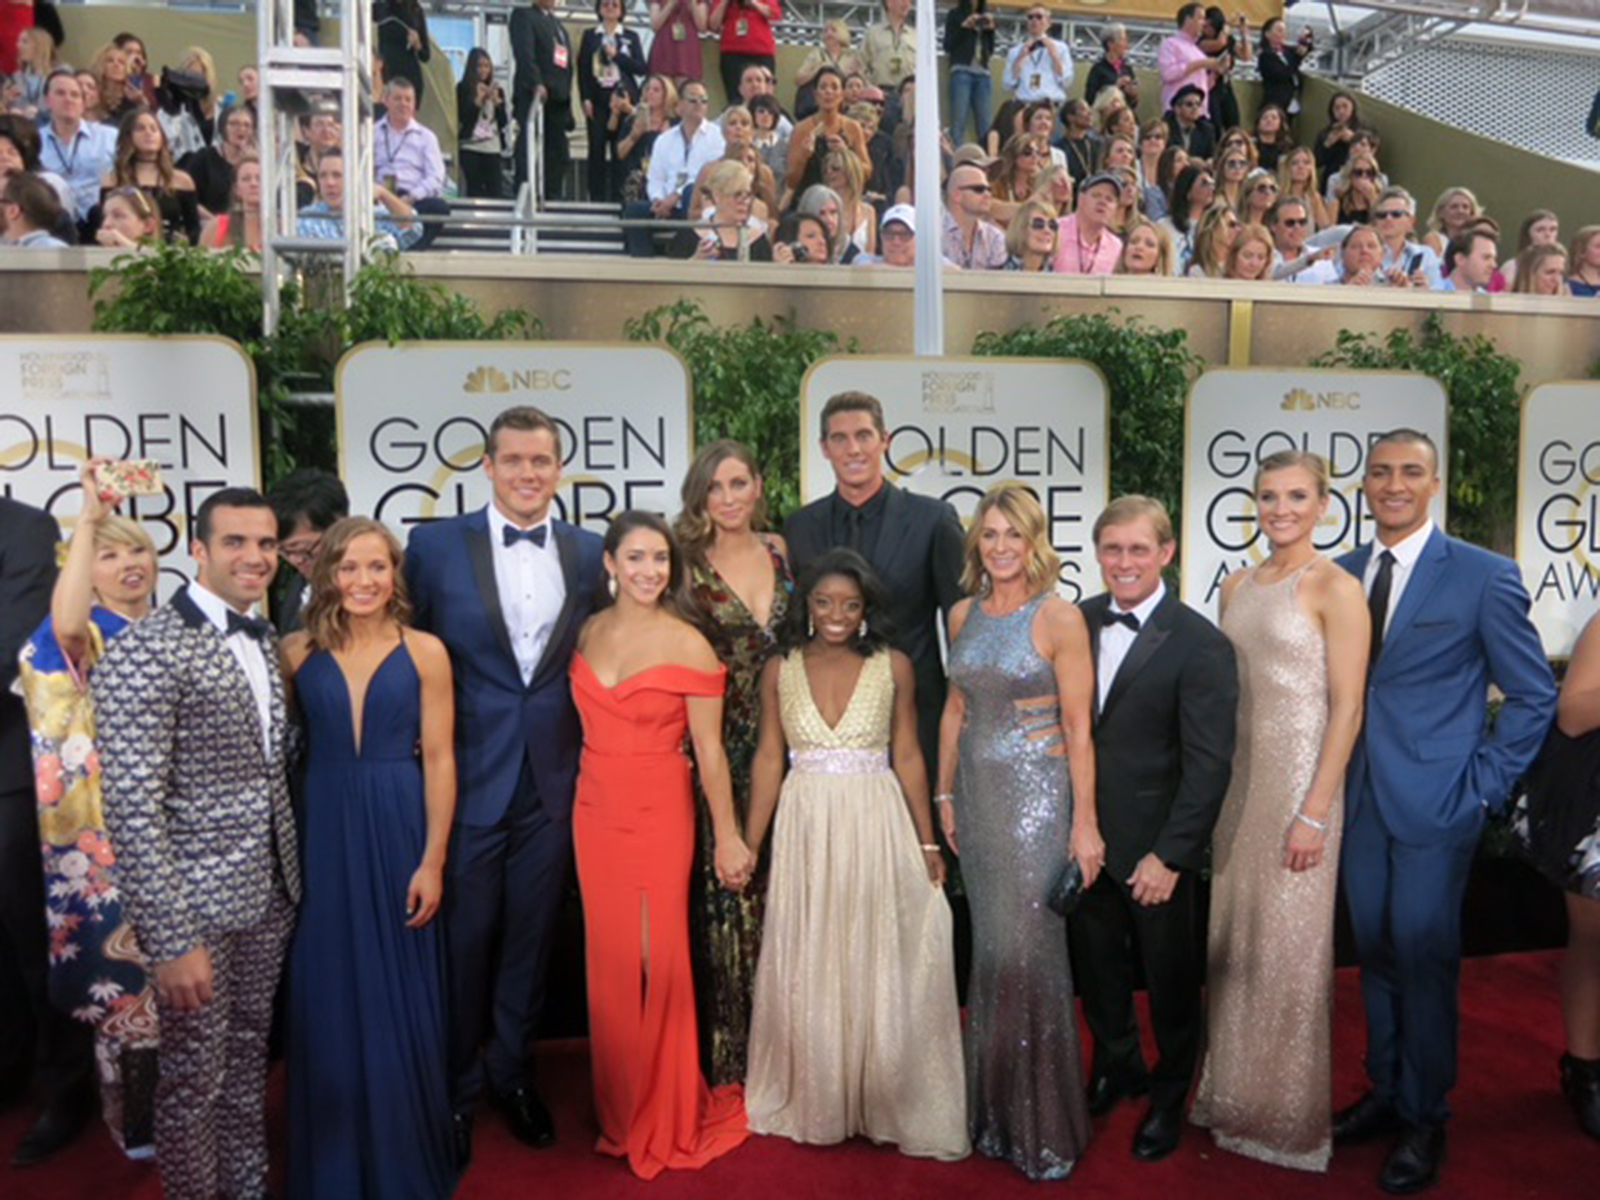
(1512, 1135)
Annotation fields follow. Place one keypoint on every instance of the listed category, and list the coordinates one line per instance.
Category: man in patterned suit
(191, 725)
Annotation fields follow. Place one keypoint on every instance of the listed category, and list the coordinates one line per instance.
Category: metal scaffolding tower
(301, 80)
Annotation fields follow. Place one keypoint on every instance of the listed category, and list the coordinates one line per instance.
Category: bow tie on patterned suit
(256, 627)
(1123, 618)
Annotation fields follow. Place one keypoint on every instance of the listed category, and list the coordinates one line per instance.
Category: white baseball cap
(903, 213)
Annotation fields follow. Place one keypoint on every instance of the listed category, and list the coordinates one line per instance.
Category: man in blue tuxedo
(1448, 619)
(507, 588)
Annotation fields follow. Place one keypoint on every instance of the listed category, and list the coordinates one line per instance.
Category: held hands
(185, 982)
(1152, 881)
(934, 861)
(422, 895)
(1089, 849)
(735, 862)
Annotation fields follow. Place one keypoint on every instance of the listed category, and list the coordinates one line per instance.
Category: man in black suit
(1167, 687)
(542, 57)
(306, 504)
(30, 1028)
(913, 542)
(1187, 124)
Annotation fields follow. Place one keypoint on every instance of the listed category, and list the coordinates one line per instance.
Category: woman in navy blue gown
(369, 1109)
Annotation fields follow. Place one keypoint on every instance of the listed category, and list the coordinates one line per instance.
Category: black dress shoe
(1366, 1119)
(1158, 1133)
(1580, 1084)
(1414, 1162)
(62, 1121)
(527, 1117)
(1103, 1093)
(461, 1139)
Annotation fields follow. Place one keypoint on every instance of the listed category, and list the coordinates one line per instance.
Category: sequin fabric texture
(1025, 1097)
(855, 1029)
(1265, 1087)
(724, 926)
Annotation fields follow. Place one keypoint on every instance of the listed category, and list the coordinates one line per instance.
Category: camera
(801, 254)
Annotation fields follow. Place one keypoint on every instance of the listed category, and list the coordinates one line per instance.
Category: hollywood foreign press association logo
(53, 376)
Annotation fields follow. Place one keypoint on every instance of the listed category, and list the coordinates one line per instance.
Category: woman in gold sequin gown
(855, 1028)
(1300, 628)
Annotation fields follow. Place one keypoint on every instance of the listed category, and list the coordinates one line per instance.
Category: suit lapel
(567, 549)
(1150, 639)
(1427, 572)
(481, 555)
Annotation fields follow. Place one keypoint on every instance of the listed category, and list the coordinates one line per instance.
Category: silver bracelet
(1319, 826)
(945, 798)
(929, 846)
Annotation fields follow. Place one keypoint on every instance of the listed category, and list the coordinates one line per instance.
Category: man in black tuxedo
(542, 57)
(913, 542)
(30, 1027)
(1167, 687)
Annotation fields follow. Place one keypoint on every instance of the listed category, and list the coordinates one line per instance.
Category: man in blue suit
(507, 588)
(1448, 619)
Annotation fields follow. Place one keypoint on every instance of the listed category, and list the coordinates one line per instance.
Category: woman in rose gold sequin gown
(1299, 626)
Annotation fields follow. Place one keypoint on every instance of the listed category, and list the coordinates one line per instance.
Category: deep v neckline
(358, 718)
(811, 695)
(777, 585)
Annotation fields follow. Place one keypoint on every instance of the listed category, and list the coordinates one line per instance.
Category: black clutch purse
(1067, 889)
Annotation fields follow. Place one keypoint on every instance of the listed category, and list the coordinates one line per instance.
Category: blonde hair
(840, 28)
(208, 68)
(1313, 464)
(1436, 217)
(1528, 262)
(1163, 246)
(1017, 232)
(1129, 508)
(1021, 508)
(1580, 246)
(1246, 235)
(726, 175)
(1313, 184)
(1209, 231)
(326, 621)
(118, 530)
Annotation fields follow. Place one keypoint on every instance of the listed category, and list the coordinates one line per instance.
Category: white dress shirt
(1117, 639)
(675, 160)
(531, 586)
(1032, 74)
(250, 654)
(1406, 552)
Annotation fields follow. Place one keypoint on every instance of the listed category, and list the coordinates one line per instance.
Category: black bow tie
(512, 536)
(1123, 618)
(256, 627)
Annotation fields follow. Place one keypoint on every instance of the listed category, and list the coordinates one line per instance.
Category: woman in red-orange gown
(641, 677)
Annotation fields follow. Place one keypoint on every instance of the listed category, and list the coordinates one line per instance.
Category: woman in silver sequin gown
(1016, 798)
(1299, 626)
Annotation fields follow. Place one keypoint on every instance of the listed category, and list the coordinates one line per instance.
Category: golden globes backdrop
(66, 399)
(413, 419)
(959, 426)
(1558, 509)
(1236, 418)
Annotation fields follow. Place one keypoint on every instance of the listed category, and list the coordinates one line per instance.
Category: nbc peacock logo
(1299, 400)
(487, 379)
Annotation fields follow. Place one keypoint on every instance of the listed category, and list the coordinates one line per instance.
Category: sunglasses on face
(1293, 222)
(1027, 152)
(1041, 223)
(1234, 164)
(1266, 187)
(1364, 174)
(1391, 214)
(981, 188)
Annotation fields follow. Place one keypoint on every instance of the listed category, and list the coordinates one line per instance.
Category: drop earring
(611, 585)
(811, 627)
(863, 632)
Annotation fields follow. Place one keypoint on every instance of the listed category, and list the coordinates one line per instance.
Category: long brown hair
(694, 528)
(674, 597)
(326, 621)
(124, 171)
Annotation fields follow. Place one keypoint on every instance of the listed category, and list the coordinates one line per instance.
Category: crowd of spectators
(1171, 183)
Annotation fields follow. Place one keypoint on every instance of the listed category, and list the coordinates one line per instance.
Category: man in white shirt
(1039, 67)
(675, 162)
(406, 158)
(78, 151)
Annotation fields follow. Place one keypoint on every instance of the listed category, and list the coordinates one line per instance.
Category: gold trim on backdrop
(1188, 432)
(1241, 322)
